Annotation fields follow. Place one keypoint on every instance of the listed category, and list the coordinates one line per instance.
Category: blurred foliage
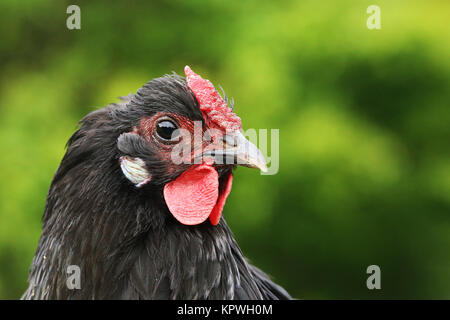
(364, 123)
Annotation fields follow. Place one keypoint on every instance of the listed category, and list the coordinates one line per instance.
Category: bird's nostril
(230, 140)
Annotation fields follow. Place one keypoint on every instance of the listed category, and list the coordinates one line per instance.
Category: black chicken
(131, 210)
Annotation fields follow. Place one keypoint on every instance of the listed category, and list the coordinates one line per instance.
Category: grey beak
(238, 151)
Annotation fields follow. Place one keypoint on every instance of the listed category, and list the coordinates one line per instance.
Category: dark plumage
(124, 239)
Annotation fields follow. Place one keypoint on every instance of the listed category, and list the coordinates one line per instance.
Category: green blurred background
(364, 119)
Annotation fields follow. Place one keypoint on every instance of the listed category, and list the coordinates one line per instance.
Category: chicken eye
(165, 130)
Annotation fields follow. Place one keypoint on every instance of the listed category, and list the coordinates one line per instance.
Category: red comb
(214, 109)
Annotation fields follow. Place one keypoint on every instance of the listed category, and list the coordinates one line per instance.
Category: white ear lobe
(134, 170)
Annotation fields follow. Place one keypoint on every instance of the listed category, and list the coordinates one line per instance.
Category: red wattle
(192, 196)
(216, 212)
